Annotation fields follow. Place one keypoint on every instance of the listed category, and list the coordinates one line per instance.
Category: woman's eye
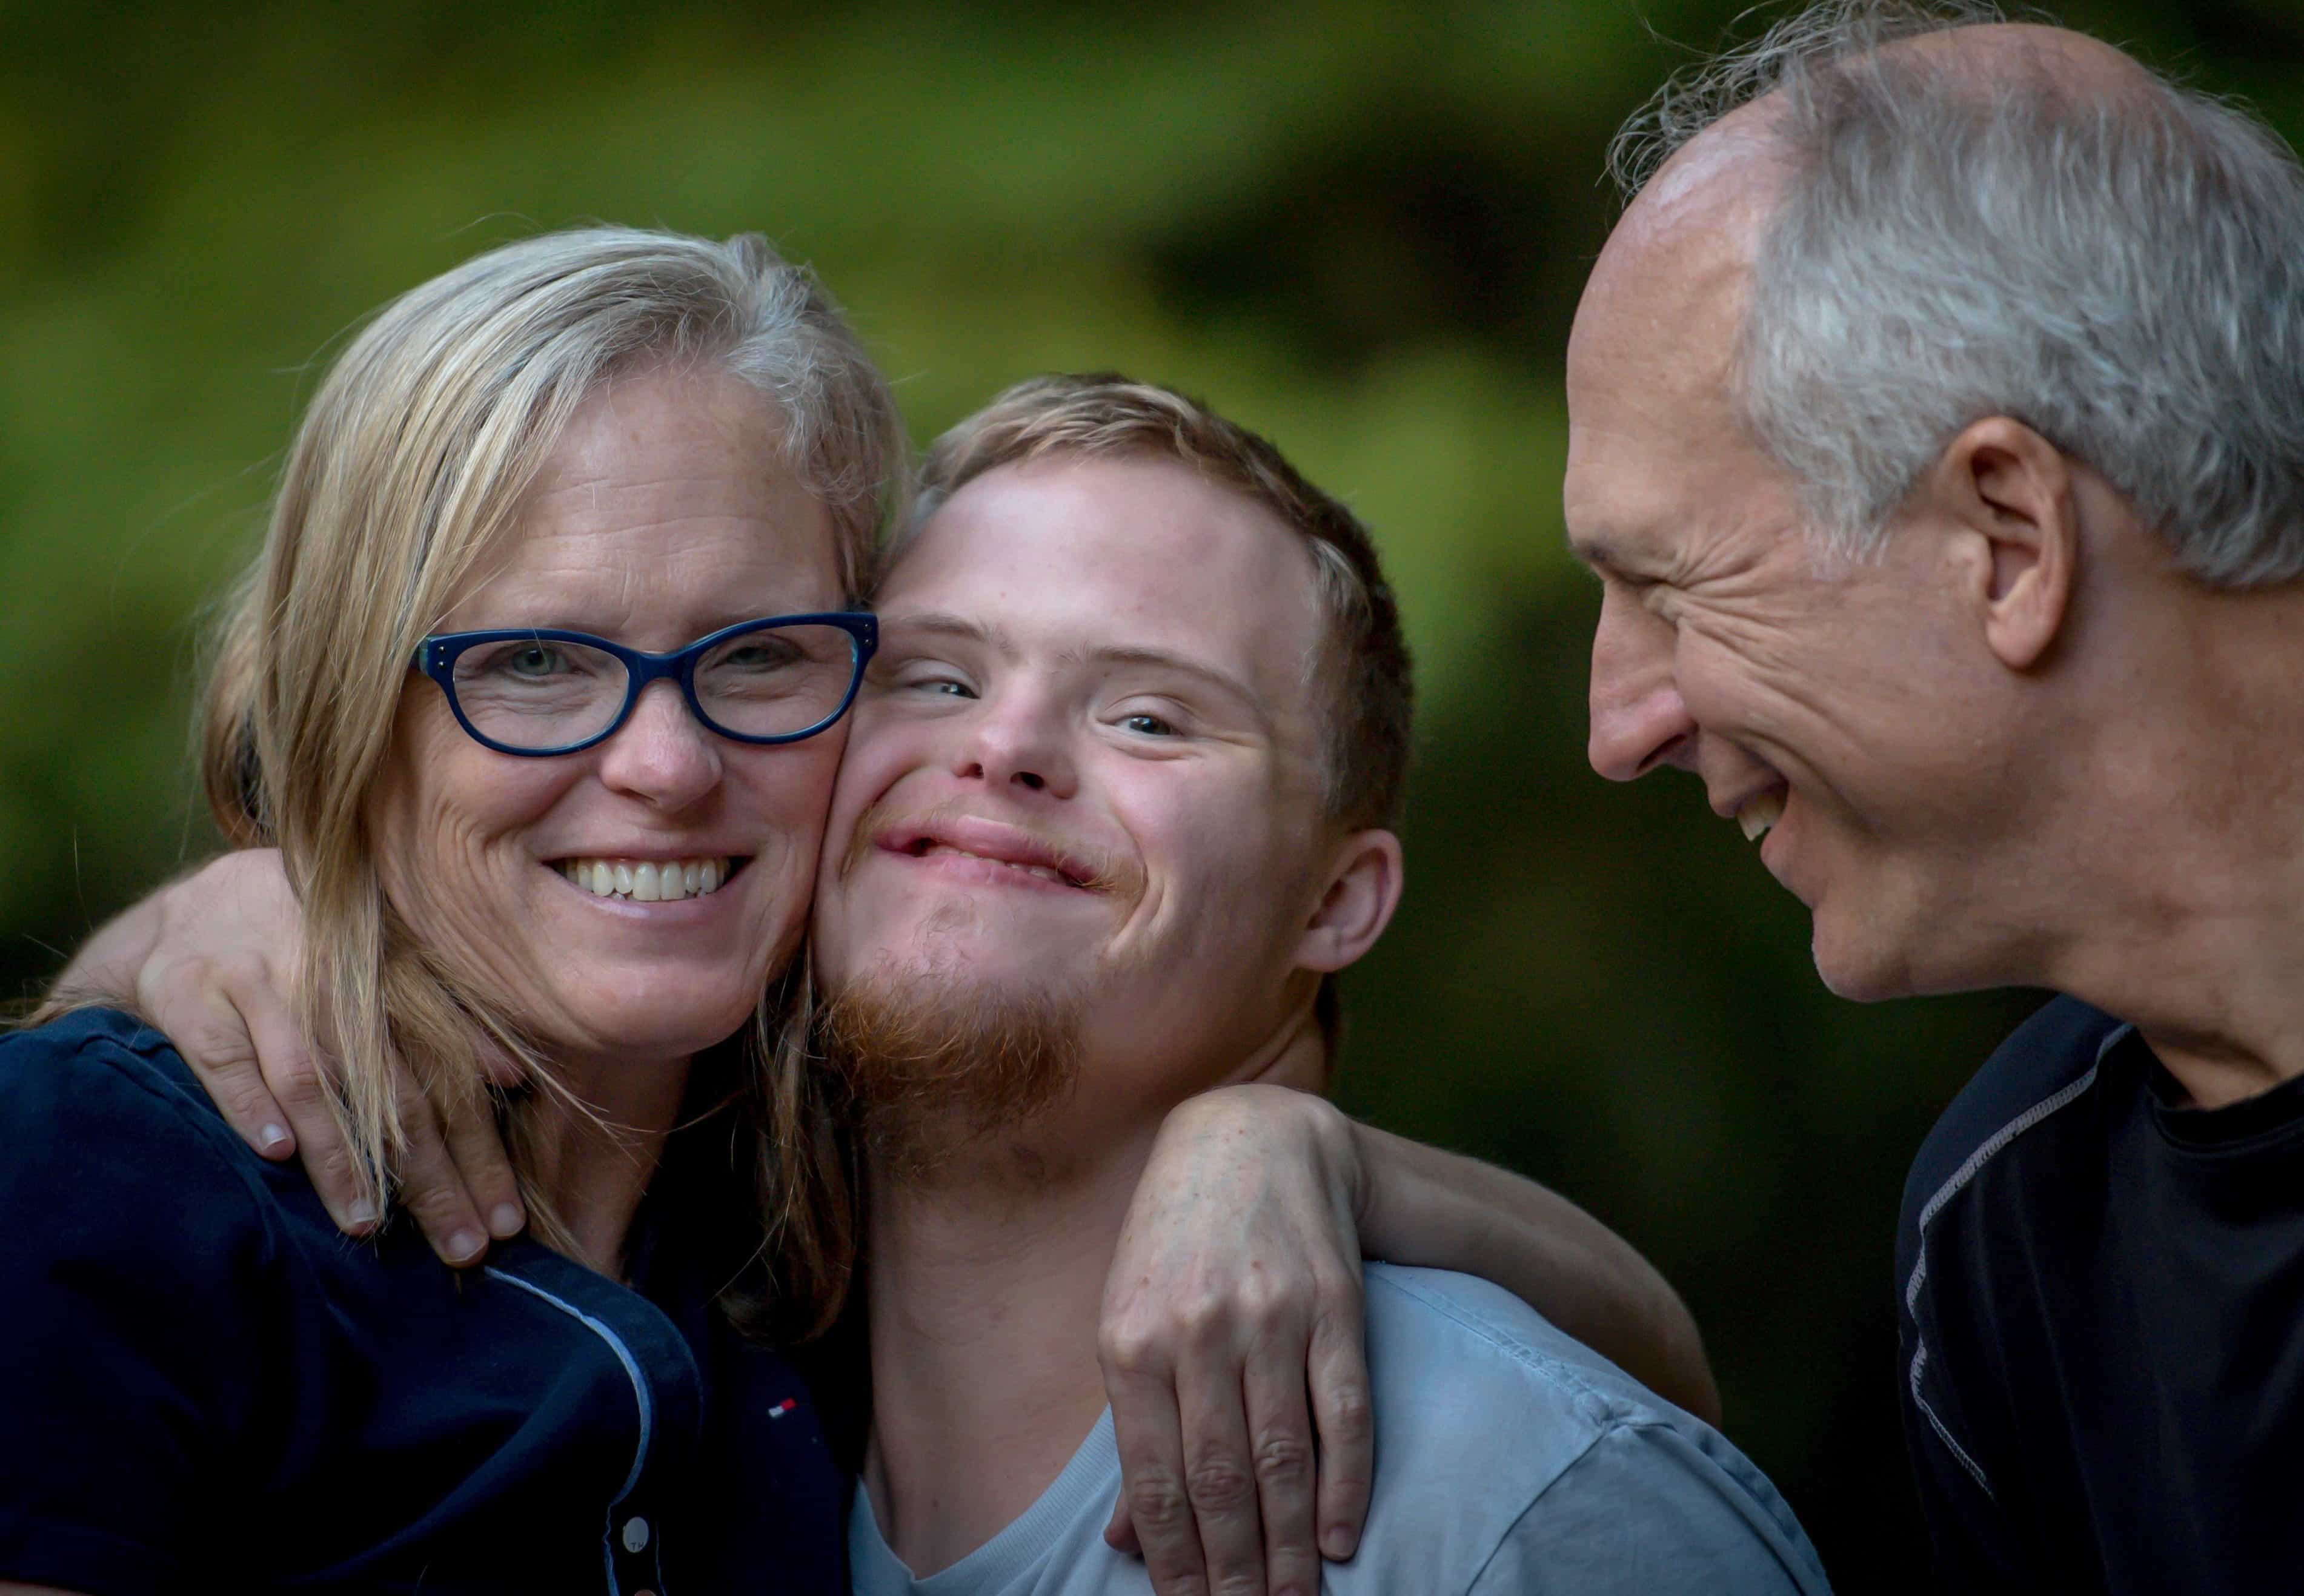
(533, 663)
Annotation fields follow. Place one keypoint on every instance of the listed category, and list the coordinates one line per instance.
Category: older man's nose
(662, 755)
(1019, 741)
(1638, 719)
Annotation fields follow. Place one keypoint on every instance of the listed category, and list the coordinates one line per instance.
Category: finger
(215, 1039)
(293, 1072)
(1280, 1441)
(1146, 1429)
(478, 1150)
(1119, 1530)
(1340, 1408)
(1220, 1475)
(431, 1187)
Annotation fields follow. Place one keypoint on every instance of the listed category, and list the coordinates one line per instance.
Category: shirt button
(636, 1534)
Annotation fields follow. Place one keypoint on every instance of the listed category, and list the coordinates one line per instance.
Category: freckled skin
(1214, 802)
(661, 516)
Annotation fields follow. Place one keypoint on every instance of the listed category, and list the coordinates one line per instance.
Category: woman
(569, 451)
(568, 467)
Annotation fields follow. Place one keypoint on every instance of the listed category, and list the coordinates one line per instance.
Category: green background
(1360, 228)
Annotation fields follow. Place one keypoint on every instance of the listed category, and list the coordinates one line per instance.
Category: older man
(1937, 432)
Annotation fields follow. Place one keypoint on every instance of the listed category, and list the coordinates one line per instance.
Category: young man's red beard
(941, 1071)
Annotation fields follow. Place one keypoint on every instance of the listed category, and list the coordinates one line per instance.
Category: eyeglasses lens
(775, 681)
(538, 693)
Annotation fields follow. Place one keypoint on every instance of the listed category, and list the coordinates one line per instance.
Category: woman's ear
(2008, 494)
(1364, 886)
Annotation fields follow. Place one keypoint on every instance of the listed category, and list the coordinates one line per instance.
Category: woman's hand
(211, 963)
(1232, 1339)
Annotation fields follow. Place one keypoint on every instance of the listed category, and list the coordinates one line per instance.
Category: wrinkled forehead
(1652, 353)
(1077, 556)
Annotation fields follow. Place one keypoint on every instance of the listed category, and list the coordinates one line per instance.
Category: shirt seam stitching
(1616, 1414)
(1504, 1536)
(1991, 1147)
(641, 1396)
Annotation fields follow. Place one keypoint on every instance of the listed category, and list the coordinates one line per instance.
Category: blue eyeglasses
(535, 691)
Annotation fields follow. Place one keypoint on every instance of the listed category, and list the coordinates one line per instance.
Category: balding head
(1939, 215)
(1877, 268)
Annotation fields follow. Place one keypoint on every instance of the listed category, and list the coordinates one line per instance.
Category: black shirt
(2102, 1324)
(203, 1385)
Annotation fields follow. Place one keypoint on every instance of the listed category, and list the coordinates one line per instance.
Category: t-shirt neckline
(1093, 1472)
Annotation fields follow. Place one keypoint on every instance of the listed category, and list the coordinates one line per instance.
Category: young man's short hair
(1366, 677)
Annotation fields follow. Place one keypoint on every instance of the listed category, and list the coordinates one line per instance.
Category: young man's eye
(924, 679)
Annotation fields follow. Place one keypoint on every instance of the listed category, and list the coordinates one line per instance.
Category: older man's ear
(1364, 886)
(2013, 501)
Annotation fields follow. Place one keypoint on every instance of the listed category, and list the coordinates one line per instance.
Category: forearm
(105, 969)
(1425, 1207)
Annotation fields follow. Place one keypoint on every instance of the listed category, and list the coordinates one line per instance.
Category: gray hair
(2122, 272)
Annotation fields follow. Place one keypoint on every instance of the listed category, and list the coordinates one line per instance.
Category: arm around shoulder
(1440, 1210)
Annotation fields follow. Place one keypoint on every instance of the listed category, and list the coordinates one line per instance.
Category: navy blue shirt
(2103, 1314)
(204, 1385)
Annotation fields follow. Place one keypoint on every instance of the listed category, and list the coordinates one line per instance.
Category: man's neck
(2194, 929)
(984, 1290)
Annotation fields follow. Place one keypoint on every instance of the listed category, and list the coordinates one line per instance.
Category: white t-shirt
(1509, 1459)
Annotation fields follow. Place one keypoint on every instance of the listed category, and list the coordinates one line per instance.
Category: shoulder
(100, 1103)
(2046, 1065)
(1496, 1429)
(2012, 1162)
(100, 1069)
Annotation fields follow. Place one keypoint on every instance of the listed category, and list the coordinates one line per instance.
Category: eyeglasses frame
(437, 654)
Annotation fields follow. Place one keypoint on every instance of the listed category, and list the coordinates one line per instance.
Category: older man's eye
(1146, 725)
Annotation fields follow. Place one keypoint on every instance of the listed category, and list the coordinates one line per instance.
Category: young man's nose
(662, 755)
(1020, 740)
(1638, 719)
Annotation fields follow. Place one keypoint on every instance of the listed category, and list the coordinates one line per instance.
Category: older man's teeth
(652, 881)
(1758, 814)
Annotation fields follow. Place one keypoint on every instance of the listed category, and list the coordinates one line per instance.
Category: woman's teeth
(665, 881)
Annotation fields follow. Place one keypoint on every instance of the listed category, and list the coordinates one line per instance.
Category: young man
(1117, 806)
(1936, 428)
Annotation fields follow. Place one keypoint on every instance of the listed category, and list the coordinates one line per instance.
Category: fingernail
(465, 1245)
(362, 1213)
(275, 1137)
(1336, 1544)
(504, 1218)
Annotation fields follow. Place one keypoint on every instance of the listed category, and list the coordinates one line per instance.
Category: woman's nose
(662, 755)
(1638, 719)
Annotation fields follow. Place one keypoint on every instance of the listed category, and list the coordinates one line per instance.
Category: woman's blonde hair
(410, 463)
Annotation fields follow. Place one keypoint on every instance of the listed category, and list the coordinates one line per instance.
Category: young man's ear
(1364, 886)
(2009, 495)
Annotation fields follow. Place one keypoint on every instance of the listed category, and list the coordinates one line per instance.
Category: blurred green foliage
(1358, 227)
